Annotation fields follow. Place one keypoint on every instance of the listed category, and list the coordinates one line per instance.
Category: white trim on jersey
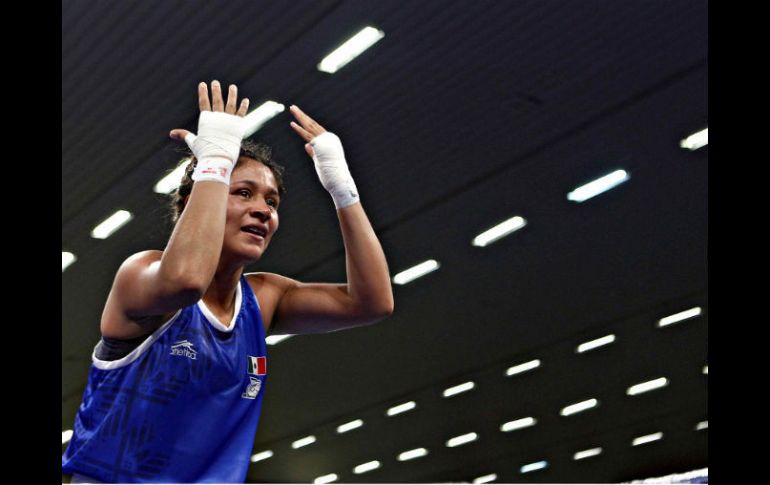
(214, 321)
(134, 354)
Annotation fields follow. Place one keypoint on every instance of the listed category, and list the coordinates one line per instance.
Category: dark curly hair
(257, 151)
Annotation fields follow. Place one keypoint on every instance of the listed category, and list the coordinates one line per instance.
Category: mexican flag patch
(257, 366)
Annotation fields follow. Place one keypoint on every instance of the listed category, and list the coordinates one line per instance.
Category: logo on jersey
(257, 366)
(252, 389)
(184, 348)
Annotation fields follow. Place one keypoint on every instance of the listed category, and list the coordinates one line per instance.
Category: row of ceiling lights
(520, 423)
(338, 58)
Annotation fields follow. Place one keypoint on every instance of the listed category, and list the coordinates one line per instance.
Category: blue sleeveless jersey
(181, 407)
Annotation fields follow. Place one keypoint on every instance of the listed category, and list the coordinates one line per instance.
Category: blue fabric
(186, 410)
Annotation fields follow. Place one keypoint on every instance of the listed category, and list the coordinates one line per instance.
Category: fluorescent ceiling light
(578, 407)
(274, 339)
(349, 426)
(412, 454)
(257, 118)
(647, 386)
(365, 467)
(593, 344)
(326, 478)
(518, 424)
(702, 425)
(598, 186)
(415, 272)
(262, 455)
(350, 49)
(499, 231)
(678, 317)
(170, 182)
(696, 140)
(462, 439)
(467, 386)
(402, 408)
(111, 224)
(646, 439)
(485, 478)
(67, 259)
(66, 436)
(587, 453)
(534, 466)
(303, 442)
(518, 369)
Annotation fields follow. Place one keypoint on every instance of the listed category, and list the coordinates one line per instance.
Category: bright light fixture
(365, 467)
(415, 272)
(462, 439)
(518, 424)
(326, 478)
(578, 407)
(262, 455)
(261, 115)
(534, 466)
(402, 408)
(464, 387)
(350, 49)
(67, 259)
(593, 344)
(170, 182)
(412, 454)
(486, 478)
(499, 231)
(598, 186)
(580, 455)
(518, 369)
(303, 442)
(696, 140)
(646, 439)
(111, 224)
(678, 317)
(274, 339)
(647, 386)
(349, 426)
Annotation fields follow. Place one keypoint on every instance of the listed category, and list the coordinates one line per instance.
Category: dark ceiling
(466, 113)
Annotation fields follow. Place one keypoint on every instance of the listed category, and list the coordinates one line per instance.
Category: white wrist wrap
(332, 169)
(213, 169)
(216, 146)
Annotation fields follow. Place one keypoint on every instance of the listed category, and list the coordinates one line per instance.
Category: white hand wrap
(216, 146)
(332, 169)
